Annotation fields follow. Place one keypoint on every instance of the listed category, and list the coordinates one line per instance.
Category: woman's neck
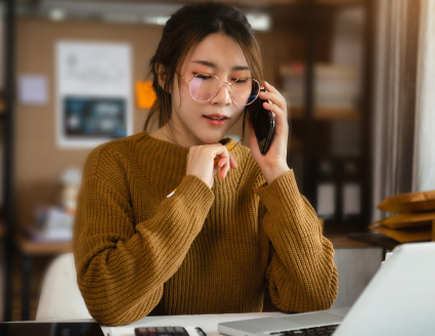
(163, 134)
(169, 134)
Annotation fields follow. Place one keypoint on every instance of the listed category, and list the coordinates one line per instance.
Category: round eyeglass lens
(244, 91)
(203, 87)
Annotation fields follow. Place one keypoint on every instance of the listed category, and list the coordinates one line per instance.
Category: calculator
(166, 331)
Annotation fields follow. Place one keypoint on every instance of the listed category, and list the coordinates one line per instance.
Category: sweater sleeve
(122, 265)
(301, 275)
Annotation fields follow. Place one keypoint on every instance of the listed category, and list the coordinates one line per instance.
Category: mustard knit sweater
(201, 251)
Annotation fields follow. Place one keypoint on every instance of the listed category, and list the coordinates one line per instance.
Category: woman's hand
(274, 163)
(201, 162)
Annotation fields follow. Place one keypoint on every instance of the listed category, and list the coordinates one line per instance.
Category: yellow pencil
(230, 148)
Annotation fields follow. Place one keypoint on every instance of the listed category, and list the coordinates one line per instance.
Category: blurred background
(73, 75)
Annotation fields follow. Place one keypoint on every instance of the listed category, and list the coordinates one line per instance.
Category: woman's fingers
(233, 162)
(276, 103)
(204, 161)
(225, 164)
(274, 95)
(275, 100)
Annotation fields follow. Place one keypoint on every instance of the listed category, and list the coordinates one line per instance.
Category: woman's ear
(161, 74)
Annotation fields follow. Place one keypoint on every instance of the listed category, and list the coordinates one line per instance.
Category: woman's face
(196, 122)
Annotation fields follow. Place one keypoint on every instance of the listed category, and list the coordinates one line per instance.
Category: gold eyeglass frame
(220, 86)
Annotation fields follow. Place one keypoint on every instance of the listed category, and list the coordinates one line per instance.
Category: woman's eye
(239, 80)
(203, 76)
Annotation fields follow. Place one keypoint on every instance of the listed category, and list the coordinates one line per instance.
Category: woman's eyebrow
(214, 66)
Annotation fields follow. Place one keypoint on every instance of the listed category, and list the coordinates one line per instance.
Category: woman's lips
(216, 120)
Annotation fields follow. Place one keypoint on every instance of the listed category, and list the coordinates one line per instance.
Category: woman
(230, 227)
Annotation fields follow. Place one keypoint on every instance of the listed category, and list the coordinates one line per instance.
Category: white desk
(208, 323)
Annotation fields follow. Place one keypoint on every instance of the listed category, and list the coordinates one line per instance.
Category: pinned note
(145, 94)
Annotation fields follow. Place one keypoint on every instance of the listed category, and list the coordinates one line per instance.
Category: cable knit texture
(201, 251)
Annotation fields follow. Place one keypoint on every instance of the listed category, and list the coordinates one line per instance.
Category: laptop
(399, 300)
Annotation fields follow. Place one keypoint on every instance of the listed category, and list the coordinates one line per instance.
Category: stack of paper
(414, 219)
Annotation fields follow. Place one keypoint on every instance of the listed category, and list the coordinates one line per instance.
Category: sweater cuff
(282, 192)
(196, 194)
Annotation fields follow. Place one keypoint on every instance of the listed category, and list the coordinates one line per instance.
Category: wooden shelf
(28, 247)
(374, 239)
(326, 113)
(343, 241)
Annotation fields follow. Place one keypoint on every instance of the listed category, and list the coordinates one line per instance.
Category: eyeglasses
(204, 87)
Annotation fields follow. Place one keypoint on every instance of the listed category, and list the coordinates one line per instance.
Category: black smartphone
(263, 123)
(50, 328)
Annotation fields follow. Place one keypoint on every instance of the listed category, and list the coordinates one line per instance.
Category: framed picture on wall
(94, 93)
(93, 118)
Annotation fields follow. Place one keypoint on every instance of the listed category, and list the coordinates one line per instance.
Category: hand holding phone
(263, 123)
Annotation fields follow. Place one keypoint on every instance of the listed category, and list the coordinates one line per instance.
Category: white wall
(356, 267)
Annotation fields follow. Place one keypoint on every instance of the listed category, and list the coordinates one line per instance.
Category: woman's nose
(223, 96)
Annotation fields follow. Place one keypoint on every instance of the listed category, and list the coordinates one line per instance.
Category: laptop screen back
(400, 299)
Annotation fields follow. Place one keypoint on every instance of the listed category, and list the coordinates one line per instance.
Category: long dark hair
(188, 27)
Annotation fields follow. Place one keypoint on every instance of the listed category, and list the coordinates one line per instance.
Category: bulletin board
(39, 160)
(93, 92)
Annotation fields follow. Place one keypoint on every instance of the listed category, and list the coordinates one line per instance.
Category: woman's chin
(211, 138)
